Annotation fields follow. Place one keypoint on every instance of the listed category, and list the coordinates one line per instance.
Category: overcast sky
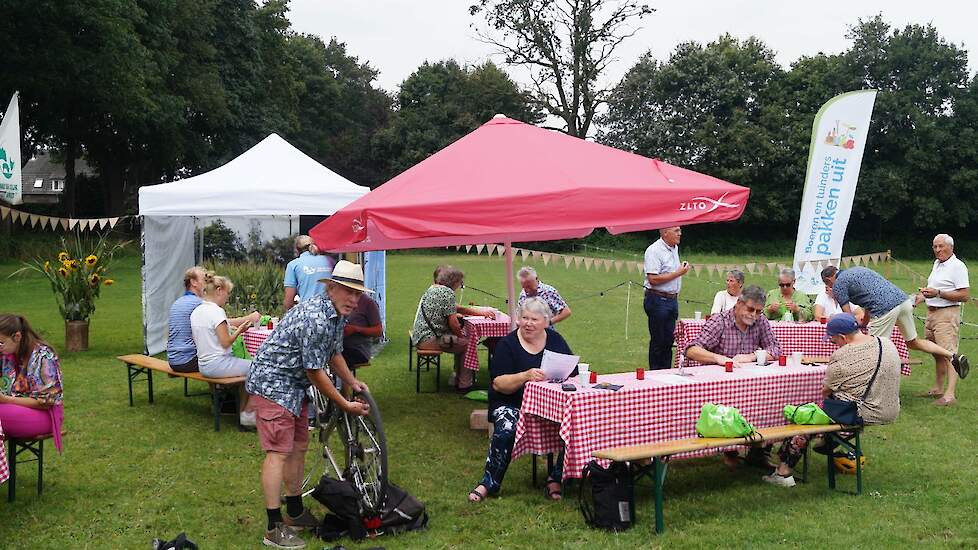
(396, 36)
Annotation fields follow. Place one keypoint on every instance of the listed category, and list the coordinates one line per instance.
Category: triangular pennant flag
(568, 260)
(35, 220)
(578, 261)
(72, 222)
(639, 266)
(696, 269)
(546, 259)
(43, 220)
(468, 248)
(479, 248)
(618, 265)
(4, 211)
(588, 262)
(771, 266)
(491, 249)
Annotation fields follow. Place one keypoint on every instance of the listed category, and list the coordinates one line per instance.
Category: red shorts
(280, 431)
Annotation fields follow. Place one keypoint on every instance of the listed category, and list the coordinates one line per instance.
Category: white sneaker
(780, 480)
(248, 418)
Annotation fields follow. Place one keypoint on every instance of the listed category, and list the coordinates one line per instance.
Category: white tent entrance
(271, 184)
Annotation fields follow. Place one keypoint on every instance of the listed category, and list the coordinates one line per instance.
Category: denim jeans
(663, 313)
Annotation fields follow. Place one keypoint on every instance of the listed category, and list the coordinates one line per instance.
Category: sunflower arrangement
(77, 275)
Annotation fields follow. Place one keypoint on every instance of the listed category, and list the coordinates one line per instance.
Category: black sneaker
(961, 366)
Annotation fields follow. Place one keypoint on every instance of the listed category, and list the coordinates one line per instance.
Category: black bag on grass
(179, 543)
(606, 496)
(343, 501)
(402, 512)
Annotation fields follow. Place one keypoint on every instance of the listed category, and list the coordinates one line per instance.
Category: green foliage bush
(258, 286)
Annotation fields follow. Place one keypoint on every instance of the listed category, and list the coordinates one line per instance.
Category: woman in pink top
(30, 382)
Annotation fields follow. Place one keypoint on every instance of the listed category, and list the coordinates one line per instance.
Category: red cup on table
(269, 325)
(640, 373)
(593, 378)
(823, 320)
(728, 366)
(783, 361)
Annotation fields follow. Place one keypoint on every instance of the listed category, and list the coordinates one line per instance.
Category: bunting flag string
(53, 223)
(569, 260)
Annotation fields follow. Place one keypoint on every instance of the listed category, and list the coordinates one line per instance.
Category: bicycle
(361, 443)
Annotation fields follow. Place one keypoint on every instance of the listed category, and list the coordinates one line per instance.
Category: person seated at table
(533, 287)
(30, 382)
(826, 306)
(847, 377)
(786, 299)
(516, 362)
(735, 335)
(437, 325)
(362, 331)
(181, 353)
(213, 339)
(726, 299)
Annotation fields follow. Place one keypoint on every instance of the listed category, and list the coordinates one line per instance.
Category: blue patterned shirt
(309, 335)
(548, 294)
(868, 290)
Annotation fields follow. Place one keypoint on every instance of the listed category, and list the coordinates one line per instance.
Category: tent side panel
(168, 251)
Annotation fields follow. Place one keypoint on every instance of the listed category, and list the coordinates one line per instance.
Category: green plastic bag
(809, 413)
(239, 350)
(264, 320)
(478, 395)
(722, 421)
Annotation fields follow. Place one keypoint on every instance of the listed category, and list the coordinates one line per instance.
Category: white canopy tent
(273, 183)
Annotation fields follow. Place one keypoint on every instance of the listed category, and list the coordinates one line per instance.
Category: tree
(708, 108)
(441, 102)
(566, 45)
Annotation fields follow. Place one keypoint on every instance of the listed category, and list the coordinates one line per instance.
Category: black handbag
(606, 496)
(847, 412)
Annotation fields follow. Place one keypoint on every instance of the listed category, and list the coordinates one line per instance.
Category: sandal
(553, 494)
(930, 393)
(945, 402)
(476, 496)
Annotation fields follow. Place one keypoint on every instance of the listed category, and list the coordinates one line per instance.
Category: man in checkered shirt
(533, 287)
(736, 334)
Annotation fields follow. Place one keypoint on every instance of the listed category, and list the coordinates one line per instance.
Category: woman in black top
(515, 362)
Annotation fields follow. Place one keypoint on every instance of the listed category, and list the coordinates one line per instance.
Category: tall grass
(257, 286)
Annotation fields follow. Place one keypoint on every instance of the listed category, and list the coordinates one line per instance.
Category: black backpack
(607, 496)
(402, 512)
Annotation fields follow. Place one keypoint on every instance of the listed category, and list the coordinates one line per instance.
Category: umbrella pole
(510, 289)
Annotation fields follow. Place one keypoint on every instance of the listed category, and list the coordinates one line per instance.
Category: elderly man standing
(947, 289)
(304, 274)
(533, 287)
(286, 364)
(885, 306)
(663, 280)
(785, 299)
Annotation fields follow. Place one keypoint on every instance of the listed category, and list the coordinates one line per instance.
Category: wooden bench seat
(222, 389)
(660, 452)
(17, 447)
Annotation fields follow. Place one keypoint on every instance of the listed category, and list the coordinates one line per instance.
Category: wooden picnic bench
(18, 446)
(659, 453)
(222, 389)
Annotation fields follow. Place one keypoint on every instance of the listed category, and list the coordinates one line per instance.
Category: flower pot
(76, 335)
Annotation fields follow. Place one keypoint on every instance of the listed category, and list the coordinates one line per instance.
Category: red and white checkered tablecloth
(662, 407)
(253, 338)
(3, 459)
(477, 328)
(803, 337)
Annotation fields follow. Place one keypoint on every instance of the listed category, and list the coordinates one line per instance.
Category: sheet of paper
(670, 379)
(558, 366)
(766, 369)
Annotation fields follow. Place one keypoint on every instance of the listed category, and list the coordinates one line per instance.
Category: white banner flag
(835, 155)
(10, 184)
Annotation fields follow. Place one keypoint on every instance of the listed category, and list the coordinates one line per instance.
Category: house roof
(45, 167)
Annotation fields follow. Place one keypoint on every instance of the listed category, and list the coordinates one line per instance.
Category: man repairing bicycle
(286, 364)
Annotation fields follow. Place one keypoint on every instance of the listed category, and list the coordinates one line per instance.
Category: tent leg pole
(510, 289)
(628, 299)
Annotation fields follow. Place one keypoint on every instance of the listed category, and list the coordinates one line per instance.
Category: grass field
(131, 474)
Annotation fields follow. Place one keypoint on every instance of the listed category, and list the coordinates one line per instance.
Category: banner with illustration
(835, 155)
(10, 185)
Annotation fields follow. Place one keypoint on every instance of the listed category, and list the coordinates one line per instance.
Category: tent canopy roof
(508, 181)
(271, 178)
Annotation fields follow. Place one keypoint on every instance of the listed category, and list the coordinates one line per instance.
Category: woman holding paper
(517, 361)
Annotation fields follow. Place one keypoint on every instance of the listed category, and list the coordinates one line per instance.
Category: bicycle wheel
(324, 446)
(366, 455)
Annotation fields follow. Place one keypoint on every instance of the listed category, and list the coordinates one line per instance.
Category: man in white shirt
(663, 281)
(947, 288)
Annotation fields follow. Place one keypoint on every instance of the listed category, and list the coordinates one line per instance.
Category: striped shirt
(180, 348)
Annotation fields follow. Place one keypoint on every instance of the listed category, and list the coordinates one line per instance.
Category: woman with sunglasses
(785, 299)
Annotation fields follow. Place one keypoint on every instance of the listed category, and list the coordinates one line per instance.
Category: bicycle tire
(366, 459)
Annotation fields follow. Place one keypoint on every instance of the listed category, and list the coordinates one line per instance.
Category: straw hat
(348, 274)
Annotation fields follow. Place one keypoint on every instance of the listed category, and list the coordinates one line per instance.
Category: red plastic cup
(593, 377)
(640, 374)
(783, 360)
(728, 366)
(823, 320)
(269, 325)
